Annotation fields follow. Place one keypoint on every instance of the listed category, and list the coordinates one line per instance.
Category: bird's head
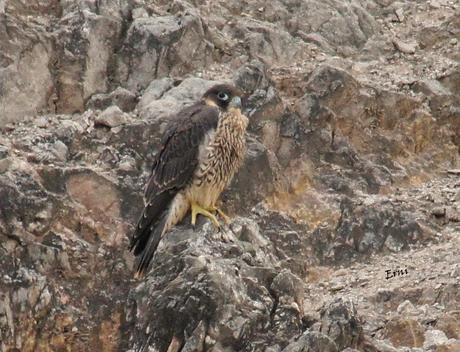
(224, 96)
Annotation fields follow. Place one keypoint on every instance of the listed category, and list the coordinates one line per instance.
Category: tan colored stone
(101, 39)
(404, 332)
(434, 338)
(405, 47)
(450, 324)
(449, 347)
(26, 85)
(300, 199)
(101, 206)
(111, 117)
(4, 165)
(95, 193)
(109, 334)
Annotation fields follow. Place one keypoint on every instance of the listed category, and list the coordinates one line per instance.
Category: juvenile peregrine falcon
(200, 151)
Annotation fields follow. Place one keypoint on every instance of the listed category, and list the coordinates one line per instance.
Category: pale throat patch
(210, 102)
(236, 113)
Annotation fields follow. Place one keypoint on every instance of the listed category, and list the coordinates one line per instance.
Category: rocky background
(352, 175)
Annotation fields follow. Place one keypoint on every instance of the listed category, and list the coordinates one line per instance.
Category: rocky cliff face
(345, 230)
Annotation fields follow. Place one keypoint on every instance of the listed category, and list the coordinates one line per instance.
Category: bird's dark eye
(222, 96)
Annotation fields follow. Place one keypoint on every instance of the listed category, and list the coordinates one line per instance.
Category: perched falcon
(201, 149)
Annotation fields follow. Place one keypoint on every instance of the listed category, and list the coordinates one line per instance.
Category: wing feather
(178, 158)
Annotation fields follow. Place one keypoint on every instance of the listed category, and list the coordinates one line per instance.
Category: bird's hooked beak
(235, 103)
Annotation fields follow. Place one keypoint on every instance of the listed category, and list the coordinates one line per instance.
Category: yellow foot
(222, 214)
(196, 209)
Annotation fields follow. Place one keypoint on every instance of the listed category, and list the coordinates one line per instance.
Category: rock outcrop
(345, 214)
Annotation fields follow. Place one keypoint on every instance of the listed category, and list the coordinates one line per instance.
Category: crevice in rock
(112, 66)
(274, 306)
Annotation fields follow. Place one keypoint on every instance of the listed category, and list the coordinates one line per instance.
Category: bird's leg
(221, 213)
(196, 209)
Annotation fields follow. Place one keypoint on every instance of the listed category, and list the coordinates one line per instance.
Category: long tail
(143, 261)
(149, 231)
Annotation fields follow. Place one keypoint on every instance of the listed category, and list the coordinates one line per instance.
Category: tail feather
(149, 229)
(156, 233)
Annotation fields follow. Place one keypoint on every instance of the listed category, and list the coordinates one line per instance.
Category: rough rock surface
(346, 213)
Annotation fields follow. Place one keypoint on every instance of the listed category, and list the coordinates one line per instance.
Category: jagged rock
(430, 88)
(60, 150)
(251, 77)
(4, 165)
(372, 227)
(4, 161)
(111, 117)
(438, 211)
(288, 291)
(25, 77)
(170, 99)
(312, 342)
(381, 346)
(155, 91)
(434, 338)
(79, 73)
(317, 39)
(259, 163)
(206, 280)
(453, 214)
(268, 42)
(450, 324)
(449, 347)
(59, 66)
(157, 46)
(101, 206)
(341, 323)
(288, 287)
(120, 97)
(343, 26)
(406, 48)
(406, 308)
(4, 151)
